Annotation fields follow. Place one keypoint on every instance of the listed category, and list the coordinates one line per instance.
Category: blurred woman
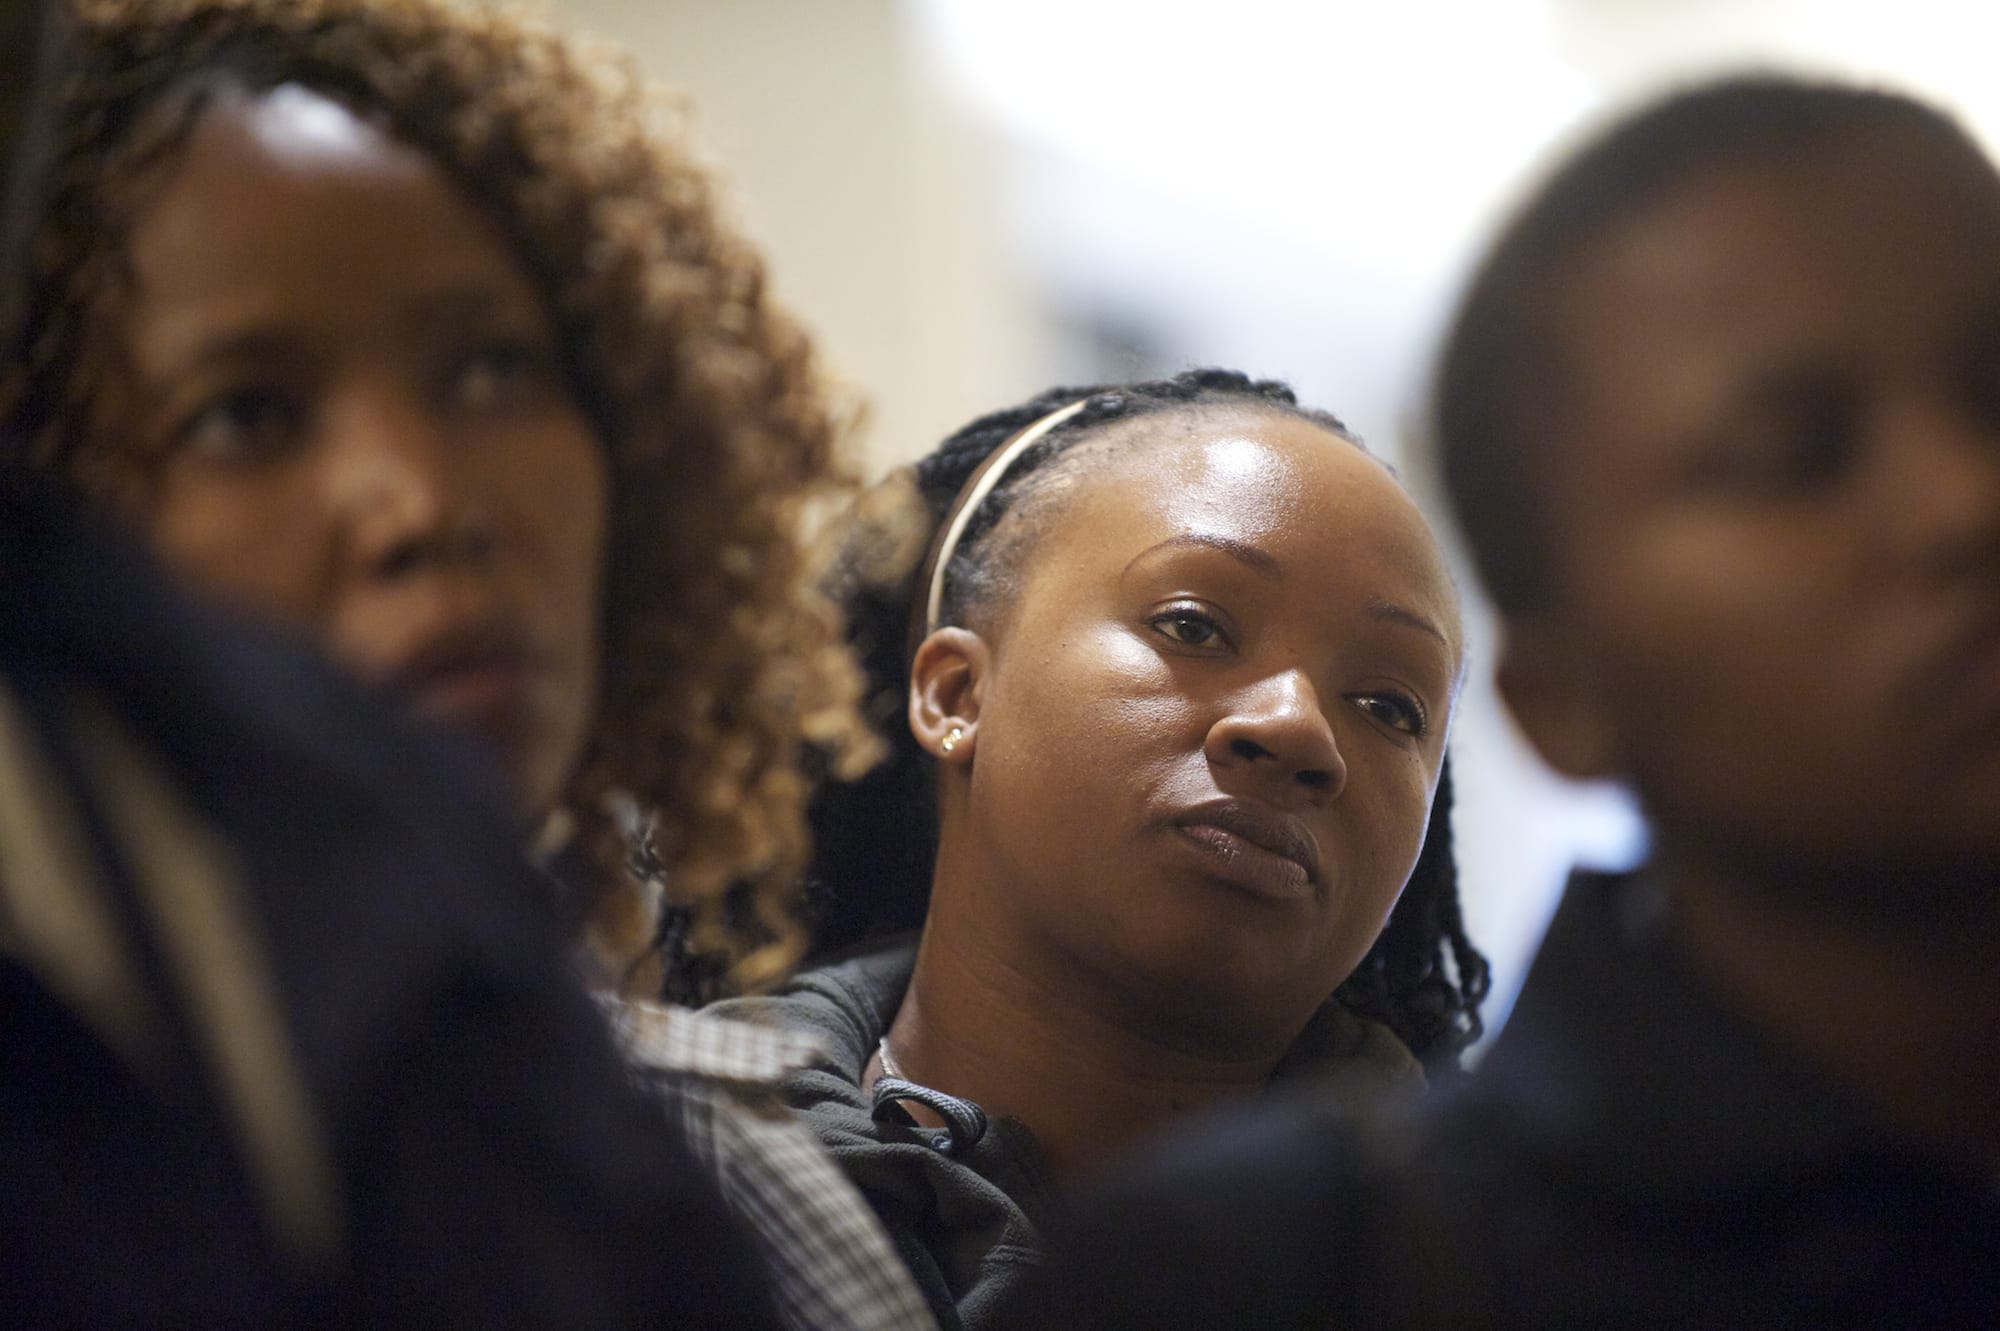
(397, 323)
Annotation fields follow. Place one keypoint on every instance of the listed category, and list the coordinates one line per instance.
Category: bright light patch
(296, 125)
(1236, 460)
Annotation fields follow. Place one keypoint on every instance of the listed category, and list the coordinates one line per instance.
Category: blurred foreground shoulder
(1259, 1219)
(290, 1035)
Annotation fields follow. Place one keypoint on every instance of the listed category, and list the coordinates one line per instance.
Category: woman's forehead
(296, 129)
(300, 125)
(1276, 483)
(1257, 467)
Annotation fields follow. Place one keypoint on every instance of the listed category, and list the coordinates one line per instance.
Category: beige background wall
(872, 195)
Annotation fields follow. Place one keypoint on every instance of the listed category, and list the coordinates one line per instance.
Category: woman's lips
(478, 680)
(478, 693)
(1261, 851)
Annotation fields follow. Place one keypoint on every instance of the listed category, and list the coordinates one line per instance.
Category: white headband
(989, 475)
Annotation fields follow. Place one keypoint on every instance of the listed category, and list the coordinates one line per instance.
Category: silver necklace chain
(889, 1068)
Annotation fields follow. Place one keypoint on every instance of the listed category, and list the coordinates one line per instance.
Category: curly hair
(724, 667)
(875, 839)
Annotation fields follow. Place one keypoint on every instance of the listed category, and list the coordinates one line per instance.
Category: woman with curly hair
(1170, 806)
(397, 323)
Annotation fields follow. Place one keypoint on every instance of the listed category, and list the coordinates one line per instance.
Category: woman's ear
(1548, 682)
(947, 679)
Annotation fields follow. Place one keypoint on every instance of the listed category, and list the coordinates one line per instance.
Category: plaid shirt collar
(659, 1038)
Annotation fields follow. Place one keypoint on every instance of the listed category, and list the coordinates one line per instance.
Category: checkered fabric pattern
(833, 1265)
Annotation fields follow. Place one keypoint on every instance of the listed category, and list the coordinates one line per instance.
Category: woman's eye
(1802, 439)
(1812, 451)
(244, 424)
(1394, 710)
(1189, 627)
(499, 373)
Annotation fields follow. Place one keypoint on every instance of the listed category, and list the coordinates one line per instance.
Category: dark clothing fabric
(968, 1206)
(965, 1216)
(431, 1127)
(1629, 1154)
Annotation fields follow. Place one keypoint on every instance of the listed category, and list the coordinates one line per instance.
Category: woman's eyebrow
(253, 344)
(457, 304)
(1391, 613)
(1260, 560)
(1254, 557)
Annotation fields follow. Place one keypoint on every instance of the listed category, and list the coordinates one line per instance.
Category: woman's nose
(1276, 736)
(404, 495)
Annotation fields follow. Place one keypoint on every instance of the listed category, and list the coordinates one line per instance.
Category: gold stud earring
(951, 738)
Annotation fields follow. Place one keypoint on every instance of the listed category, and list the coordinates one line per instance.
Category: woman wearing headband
(1177, 679)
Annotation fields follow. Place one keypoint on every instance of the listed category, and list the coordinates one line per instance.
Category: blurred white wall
(973, 199)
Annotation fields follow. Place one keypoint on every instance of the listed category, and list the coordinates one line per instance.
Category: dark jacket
(1629, 1154)
(968, 1205)
(319, 1057)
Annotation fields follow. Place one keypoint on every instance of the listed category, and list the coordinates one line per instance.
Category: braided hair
(876, 839)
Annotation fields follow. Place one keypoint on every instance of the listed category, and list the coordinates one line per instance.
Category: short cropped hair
(1500, 378)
